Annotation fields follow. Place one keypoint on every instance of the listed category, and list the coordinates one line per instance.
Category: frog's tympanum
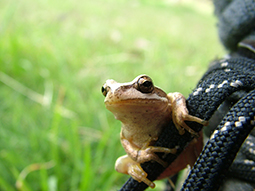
(144, 111)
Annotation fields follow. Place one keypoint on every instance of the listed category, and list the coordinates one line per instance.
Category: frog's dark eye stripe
(104, 90)
(145, 84)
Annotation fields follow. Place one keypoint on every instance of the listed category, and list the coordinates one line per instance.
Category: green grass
(55, 133)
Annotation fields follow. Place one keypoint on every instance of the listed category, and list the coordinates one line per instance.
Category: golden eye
(104, 90)
(145, 84)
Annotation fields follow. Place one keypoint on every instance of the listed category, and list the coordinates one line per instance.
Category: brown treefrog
(144, 111)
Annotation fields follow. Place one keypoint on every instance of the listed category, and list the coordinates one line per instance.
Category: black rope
(220, 151)
(222, 79)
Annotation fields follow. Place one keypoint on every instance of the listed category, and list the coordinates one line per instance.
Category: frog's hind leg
(137, 173)
(126, 165)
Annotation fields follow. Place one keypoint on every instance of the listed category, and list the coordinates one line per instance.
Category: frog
(144, 110)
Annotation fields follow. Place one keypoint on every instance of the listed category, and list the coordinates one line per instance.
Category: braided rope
(219, 82)
(222, 147)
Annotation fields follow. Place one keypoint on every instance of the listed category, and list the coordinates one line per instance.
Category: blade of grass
(30, 168)
(23, 186)
(88, 174)
(43, 179)
(5, 185)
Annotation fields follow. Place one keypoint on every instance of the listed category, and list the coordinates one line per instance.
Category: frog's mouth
(137, 110)
(137, 105)
(135, 101)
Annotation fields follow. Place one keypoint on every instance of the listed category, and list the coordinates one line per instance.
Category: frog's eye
(104, 90)
(145, 84)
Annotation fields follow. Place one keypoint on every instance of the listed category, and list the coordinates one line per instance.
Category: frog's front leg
(130, 164)
(146, 153)
(180, 114)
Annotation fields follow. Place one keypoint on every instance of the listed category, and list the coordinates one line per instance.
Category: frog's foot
(137, 173)
(148, 154)
(181, 125)
(126, 165)
(180, 114)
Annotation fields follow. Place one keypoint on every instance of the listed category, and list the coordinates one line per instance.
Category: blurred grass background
(55, 133)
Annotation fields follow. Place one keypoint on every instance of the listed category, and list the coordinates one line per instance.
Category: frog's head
(137, 96)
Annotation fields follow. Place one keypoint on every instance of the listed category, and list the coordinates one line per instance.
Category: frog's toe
(191, 131)
(139, 175)
(181, 130)
(148, 154)
(196, 119)
(179, 127)
(205, 123)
